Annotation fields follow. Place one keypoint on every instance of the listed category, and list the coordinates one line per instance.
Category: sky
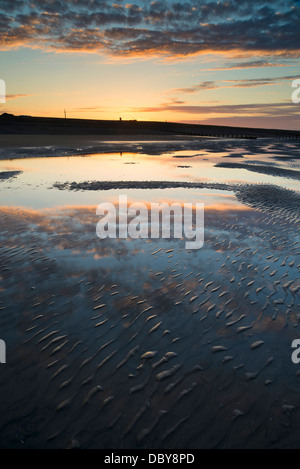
(209, 62)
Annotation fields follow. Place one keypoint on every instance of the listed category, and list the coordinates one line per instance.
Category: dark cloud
(259, 63)
(16, 96)
(244, 83)
(162, 27)
(264, 109)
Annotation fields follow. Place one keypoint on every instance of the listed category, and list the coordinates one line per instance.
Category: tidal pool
(141, 343)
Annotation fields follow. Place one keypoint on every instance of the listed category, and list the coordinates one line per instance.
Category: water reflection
(247, 163)
(142, 343)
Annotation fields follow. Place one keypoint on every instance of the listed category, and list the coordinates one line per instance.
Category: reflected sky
(34, 186)
(78, 314)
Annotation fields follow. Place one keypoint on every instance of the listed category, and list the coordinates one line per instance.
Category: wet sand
(9, 174)
(288, 173)
(35, 141)
(37, 146)
(184, 353)
(143, 343)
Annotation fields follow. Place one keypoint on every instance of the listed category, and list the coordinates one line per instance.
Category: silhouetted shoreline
(122, 129)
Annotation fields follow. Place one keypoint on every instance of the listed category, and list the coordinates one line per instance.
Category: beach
(9, 140)
(142, 343)
(150, 228)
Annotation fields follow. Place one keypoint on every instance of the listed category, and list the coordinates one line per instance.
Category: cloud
(286, 121)
(281, 115)
(162, 28)
(256, 109)
(261, 63)
(243, 83)
(16, 96)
